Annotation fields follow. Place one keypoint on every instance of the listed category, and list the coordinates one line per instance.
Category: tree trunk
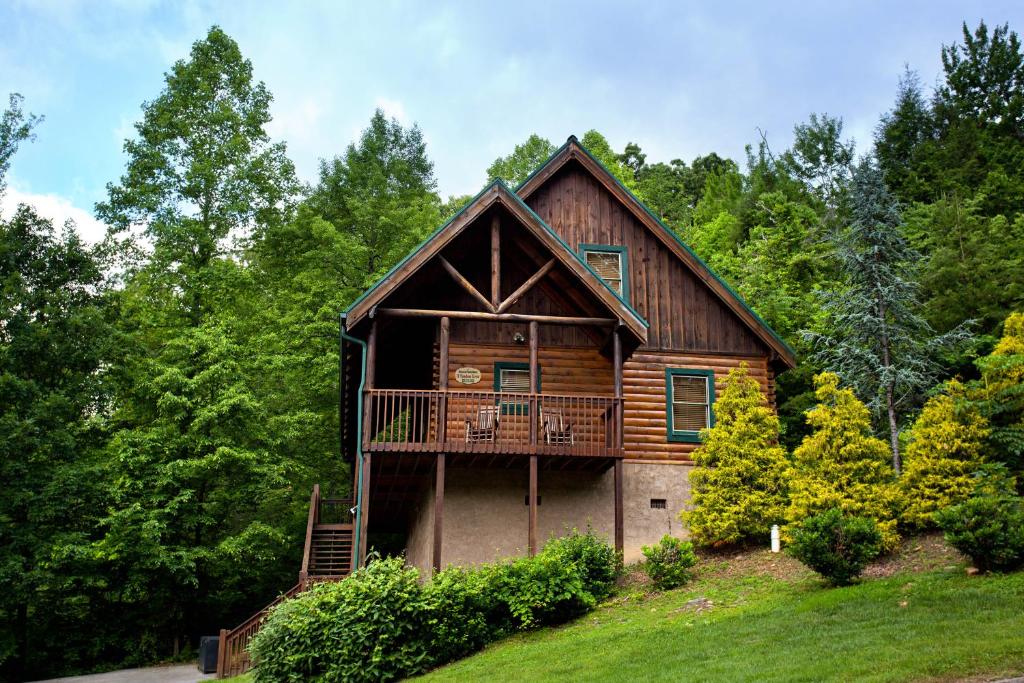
(894, 430)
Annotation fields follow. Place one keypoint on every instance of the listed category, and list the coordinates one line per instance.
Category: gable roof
(573, 150)
(497, 192)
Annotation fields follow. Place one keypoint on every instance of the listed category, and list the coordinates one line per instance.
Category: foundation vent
(658, 504)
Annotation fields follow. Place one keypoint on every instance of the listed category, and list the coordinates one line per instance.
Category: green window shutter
(689, 399)
(610, 263)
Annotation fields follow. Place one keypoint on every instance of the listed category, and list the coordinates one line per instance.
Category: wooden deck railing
(458, 421)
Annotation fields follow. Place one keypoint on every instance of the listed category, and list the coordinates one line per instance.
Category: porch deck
(487, 422)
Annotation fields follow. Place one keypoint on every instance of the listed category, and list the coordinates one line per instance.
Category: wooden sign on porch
(467, 376)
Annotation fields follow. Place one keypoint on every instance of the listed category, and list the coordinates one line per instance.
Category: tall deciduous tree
(54, 341)
(876, 339)
(524, 159)
(380, 196)
(205, 503)
(15, 128)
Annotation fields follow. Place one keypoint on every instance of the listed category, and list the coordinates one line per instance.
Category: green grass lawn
(936, 625)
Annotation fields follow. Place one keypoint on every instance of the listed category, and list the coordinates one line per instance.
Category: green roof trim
(671, 233)
(499, 183)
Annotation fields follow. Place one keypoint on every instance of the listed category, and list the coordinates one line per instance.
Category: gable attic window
(514, 378)
(689, 401)
(611, 265)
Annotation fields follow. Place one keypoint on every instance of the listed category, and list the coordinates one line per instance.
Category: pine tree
(739, 482)
(899, 137)
(946, 448)
(840, 464)
(876, 339)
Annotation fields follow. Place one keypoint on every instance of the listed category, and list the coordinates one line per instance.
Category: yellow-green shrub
(739, 484)
(840, 464)
(945, 449)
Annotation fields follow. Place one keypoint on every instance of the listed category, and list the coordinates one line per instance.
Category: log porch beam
(438, 510)
(495, 262)
(466, 284)
(496, 317)
(525, 287)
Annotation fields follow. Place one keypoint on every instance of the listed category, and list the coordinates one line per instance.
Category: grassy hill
(757, 616)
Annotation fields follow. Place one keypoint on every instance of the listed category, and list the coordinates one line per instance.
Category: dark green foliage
(373, 626)
(835, 545)
(381, 623)
(669, 562)
(989, 526)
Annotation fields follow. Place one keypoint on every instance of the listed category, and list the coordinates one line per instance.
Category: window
(514, 378)
(689, 401)
(611, 265)
(659, 504)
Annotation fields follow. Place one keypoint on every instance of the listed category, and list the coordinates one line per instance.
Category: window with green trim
(514, 378)
(689, 403)
(611, 263)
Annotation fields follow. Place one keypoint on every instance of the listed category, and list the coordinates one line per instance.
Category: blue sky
(679, 78)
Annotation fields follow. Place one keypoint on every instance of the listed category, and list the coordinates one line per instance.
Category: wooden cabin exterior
(544, 360)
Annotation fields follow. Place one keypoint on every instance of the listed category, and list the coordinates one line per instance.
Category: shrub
(740, 479)
(944, 452)
(541, 590)
(458, 601)
(989, 526)
(373, 626)
(841, 465)
(669, 562)
(835, 545)
(598, 561)
(999, 394)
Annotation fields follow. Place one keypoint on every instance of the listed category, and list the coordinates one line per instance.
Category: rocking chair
(557, 432)
(485, 429)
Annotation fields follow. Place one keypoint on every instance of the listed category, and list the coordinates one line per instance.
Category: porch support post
(618, 508)
(495, 262)
(444, 337)
(438, 510)
(532, 536)
(364, 517)
(617, 370)
(368, 381)
(534, 374)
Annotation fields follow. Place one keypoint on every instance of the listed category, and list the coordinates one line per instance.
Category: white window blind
(690, 409)
(515, 381)
(608, 265)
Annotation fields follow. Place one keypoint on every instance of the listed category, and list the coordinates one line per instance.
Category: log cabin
(544, 360)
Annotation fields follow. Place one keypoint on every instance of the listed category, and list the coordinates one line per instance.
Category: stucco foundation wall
(486, 517)
(420, 541)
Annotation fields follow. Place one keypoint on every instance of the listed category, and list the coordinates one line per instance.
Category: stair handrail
(311, 521)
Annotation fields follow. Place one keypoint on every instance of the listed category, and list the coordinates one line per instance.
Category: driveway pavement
(178, 673)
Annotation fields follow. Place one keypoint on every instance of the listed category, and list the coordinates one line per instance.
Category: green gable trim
(420, 246)
(675, 237)
(612, 249)
(513, 407)
(684, 436)
(533, 214)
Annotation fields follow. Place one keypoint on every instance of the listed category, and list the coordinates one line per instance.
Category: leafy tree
(840, 464)
(380, 196)
(739, 482)
(1000, 394)
(946, 448)
(875, 338)
(15, 128)
(821, 159)
(205, 502)
(524, 160)
(598, 146)
(56, 339)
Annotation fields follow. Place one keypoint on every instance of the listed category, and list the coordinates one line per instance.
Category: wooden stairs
(328, 555)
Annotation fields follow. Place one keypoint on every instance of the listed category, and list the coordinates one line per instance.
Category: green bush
(989, 526)
(593, 556)
(835, 545)
(382, 624)
(669, 562)
(373, 626)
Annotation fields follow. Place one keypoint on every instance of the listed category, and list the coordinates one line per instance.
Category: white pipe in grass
(776, 542)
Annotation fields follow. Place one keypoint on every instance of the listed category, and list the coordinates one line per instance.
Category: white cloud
(56, 208)
(393, 109)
